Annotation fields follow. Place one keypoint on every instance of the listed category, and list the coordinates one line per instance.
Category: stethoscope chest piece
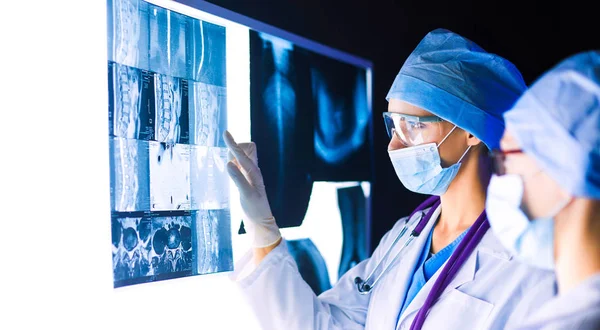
(362, 287)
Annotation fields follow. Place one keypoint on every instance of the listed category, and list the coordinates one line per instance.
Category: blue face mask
(531, 241)
(419, 168)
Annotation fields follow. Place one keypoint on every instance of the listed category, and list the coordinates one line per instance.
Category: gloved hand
(243, 170)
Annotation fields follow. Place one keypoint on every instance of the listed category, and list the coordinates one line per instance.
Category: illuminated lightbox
(167, 112)
(179, 75)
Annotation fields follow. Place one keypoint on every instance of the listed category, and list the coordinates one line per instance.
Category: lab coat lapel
(389, 293)
(464, 275)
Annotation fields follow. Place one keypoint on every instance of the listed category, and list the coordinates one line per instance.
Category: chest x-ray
(167, 113)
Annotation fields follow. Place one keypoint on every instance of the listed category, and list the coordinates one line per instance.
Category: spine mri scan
(167, 113)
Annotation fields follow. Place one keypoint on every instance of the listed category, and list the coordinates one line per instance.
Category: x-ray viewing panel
(167, 113)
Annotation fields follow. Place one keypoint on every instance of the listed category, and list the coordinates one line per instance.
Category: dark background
(533, 35)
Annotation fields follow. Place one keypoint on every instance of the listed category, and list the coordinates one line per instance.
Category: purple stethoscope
(456, 260)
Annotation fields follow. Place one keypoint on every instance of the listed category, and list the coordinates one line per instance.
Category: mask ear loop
(558, 208)
(463, 155)
(447, 135)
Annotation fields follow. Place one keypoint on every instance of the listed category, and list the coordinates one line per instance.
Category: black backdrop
(533, 35)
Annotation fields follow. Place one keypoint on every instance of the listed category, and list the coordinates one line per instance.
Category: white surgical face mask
(530, 241)
(419, 168)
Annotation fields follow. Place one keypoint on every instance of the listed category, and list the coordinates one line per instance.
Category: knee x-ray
(167, 113)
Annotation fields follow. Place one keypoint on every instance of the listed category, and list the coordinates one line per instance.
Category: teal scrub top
(426, 266)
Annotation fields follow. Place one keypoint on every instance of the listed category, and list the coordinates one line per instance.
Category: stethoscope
(456, 260)
(363, 286)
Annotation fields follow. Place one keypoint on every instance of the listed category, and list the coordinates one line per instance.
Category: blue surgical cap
(456, 80)
(557, 122)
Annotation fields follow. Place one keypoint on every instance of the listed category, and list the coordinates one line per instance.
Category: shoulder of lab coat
(577, 309)
(281, 299)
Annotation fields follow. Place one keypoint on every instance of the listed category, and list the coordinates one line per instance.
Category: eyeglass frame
(498, 157)
(420, 119)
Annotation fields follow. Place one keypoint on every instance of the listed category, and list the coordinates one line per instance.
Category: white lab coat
(576, 309)
(482, 295)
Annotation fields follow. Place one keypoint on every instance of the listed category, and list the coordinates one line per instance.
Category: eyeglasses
(499, 157)
(412, 130)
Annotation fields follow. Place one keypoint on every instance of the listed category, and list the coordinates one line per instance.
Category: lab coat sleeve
(281, 299)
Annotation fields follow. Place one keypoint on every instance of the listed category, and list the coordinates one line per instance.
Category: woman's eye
(417, 125)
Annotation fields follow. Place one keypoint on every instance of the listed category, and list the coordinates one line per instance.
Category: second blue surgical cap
(557, 122)
(456, 80)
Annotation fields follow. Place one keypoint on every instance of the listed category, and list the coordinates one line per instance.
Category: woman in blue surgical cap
(440, 267)
(544, 199)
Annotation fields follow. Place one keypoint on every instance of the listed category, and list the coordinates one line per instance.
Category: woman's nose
(395, 143)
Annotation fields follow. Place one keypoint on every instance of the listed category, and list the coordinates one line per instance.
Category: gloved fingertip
(229, 140)
(233, 169)
(230, 165)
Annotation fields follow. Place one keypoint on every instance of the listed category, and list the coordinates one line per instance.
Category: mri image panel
(172, 114)
(207, 53)
(209, 178)
(151, 247)
(342, 118)
(128, 32)
(150, 37)
(131, 102)
(208, 114)
(130, 175)
(168, 45)
(213, 241)
(169, 176)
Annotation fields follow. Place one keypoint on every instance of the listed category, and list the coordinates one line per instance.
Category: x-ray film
(342, 117)
(282, 123)
(335, 143)
(167, 113)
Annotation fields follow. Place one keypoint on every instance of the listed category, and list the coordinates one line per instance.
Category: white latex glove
(243, 170)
